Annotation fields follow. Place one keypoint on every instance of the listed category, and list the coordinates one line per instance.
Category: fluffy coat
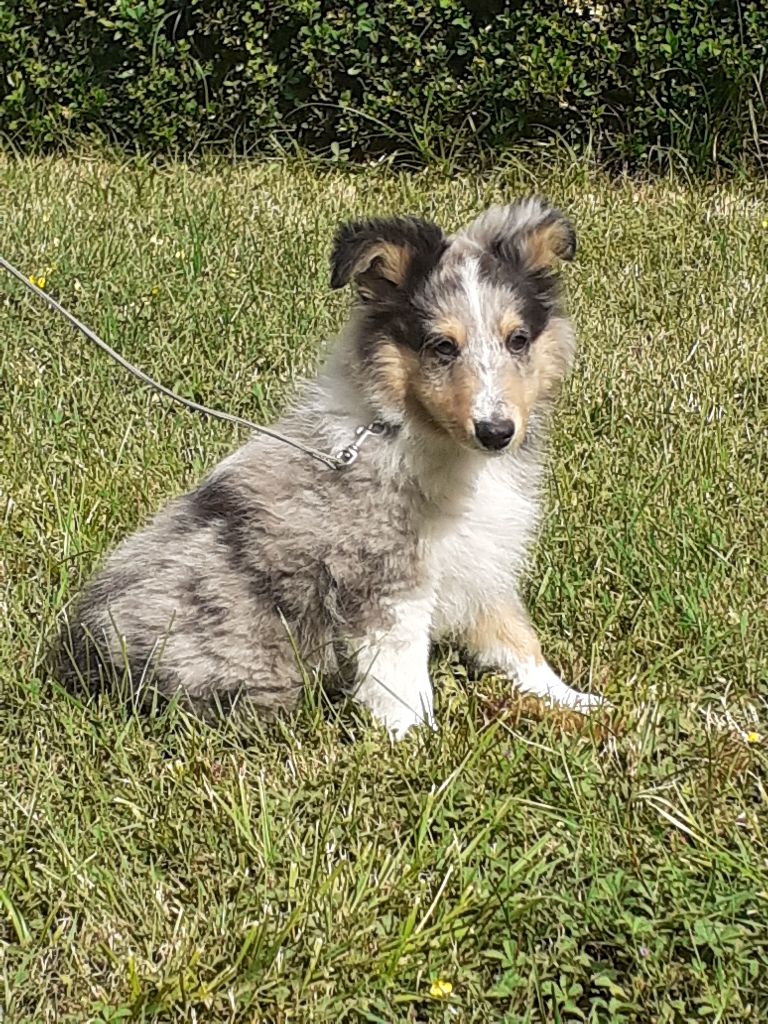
(275, 565)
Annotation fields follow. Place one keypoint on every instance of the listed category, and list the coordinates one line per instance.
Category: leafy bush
(423, 77)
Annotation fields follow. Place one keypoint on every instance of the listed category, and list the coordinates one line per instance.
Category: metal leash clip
(349, 454)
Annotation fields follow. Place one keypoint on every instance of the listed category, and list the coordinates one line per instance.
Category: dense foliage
(424, 78)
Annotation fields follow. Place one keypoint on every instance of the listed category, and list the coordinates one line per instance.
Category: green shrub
(423, 78)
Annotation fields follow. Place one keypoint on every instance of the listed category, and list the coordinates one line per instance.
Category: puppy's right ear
(529, 232)
(382, 256)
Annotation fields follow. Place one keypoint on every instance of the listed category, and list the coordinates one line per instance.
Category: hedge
(419, 78)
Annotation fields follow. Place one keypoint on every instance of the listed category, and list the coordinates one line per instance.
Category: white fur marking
(483, 348)
(477, 552)
(393, 670)
(538, 679)
(472, 290)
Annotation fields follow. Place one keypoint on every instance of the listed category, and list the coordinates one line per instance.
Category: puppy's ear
(529, 232)
(382, 256)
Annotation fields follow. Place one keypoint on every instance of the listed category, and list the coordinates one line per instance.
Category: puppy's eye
(517, 341)
(445, 348)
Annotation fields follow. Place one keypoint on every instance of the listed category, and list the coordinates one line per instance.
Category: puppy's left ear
(530, 232)
(382, 256)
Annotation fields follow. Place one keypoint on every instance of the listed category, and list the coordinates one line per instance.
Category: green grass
(153, 868)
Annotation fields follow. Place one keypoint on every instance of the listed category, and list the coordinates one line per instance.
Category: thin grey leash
(345, 457)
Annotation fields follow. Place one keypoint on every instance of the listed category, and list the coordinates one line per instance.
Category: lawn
(154, 868)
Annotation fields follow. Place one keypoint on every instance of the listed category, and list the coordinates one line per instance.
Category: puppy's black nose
(494, 434)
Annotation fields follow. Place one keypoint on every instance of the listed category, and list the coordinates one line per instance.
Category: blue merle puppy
(276, 565)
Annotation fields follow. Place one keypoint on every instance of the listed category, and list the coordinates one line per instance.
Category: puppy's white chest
(476, 555)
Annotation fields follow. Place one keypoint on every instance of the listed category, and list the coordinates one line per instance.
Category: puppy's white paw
(399, 721)
(538, 679)
(398, 714)
(583, 702)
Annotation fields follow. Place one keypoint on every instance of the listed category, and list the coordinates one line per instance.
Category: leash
(344, 458)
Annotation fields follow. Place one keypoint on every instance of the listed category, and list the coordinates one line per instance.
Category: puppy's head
(464, 335)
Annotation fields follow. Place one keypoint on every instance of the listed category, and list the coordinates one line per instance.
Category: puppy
(276, 565)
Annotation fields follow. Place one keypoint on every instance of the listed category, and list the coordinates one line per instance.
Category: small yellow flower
(753, 737)
(764, 223)
(440, 989)
(156, 289)
(41, 282)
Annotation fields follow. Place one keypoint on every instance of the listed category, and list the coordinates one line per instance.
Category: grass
(155, 869)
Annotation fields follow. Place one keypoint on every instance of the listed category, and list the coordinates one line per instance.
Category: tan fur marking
(452, 328)
(519, 391)
(551, 356)
(448, 402)
(546, 244)
(509, 321)
(394, 261)
(395, 368)
(504, 626)
(382, 260)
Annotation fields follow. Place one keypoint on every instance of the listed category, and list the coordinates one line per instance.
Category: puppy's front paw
(583, 702)
(399, 721)
(400, 715)
(539, 680)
